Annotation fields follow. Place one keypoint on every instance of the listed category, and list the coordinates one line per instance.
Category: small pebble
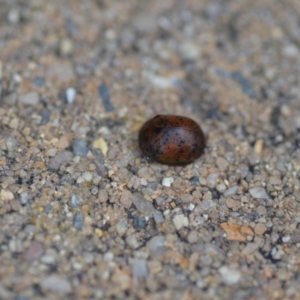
(102, 145)
(24, 198)
(48, 260)
(102, 196)
(290, 51)
(132, 242)
(231, 191)
(259, 193)
(126, 199)
(14, 16)
(250, 248)
(158, 217)
(230, 276)
(260, 228)
(261, 210)
(87, 176)
(139, 268)
(45, 115)
(222, 163)
(187, 198)
(167, 181)
(14, 123)
(6, 195)
(139, 224)
(232, 204)
(207, 204)
(66, 47)
(105, 96)
(144, 182)
(31, 98)
(180, 221)
(211, 180)
(154, 266)
(15, 245)
(77, 221)
(62, 157)
(74, 202)
(142, 205)
(47, 209)
(70, 95)
(244, 83)
(192, 237)
(189, 51)
(121, 226)
(194, 180)
(33, 252)
(39, 81)
(80, 147)
(156, 243)
(279, 213)
(56, 283)
(221, 188)
(286, 238)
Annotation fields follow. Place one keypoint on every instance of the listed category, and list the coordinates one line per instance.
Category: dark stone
(39, 81)
(78, 221)
(104, 94)
(139, 224)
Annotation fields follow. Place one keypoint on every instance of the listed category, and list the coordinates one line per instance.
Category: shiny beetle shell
(172, 140)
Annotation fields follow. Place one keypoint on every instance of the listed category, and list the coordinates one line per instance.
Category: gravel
(84, 214)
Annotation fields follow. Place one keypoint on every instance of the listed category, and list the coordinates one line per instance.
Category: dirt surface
(84, 215)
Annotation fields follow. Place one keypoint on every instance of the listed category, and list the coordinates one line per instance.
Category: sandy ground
(84, 215)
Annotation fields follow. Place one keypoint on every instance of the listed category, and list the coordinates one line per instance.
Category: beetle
(171, 139)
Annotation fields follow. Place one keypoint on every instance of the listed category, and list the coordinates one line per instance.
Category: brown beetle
(173, 140)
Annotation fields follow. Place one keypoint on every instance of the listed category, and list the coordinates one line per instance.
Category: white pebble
(191, 207)
(286, 238)
(230, 276)
(108, 256)
(24, 198)
(70, 95)
(291, 51)
(180, 221)
(14, 16)
(144, 182)
(87, 176)
(221, 188)
(80, 179)
(47, 259)
(167, 181)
